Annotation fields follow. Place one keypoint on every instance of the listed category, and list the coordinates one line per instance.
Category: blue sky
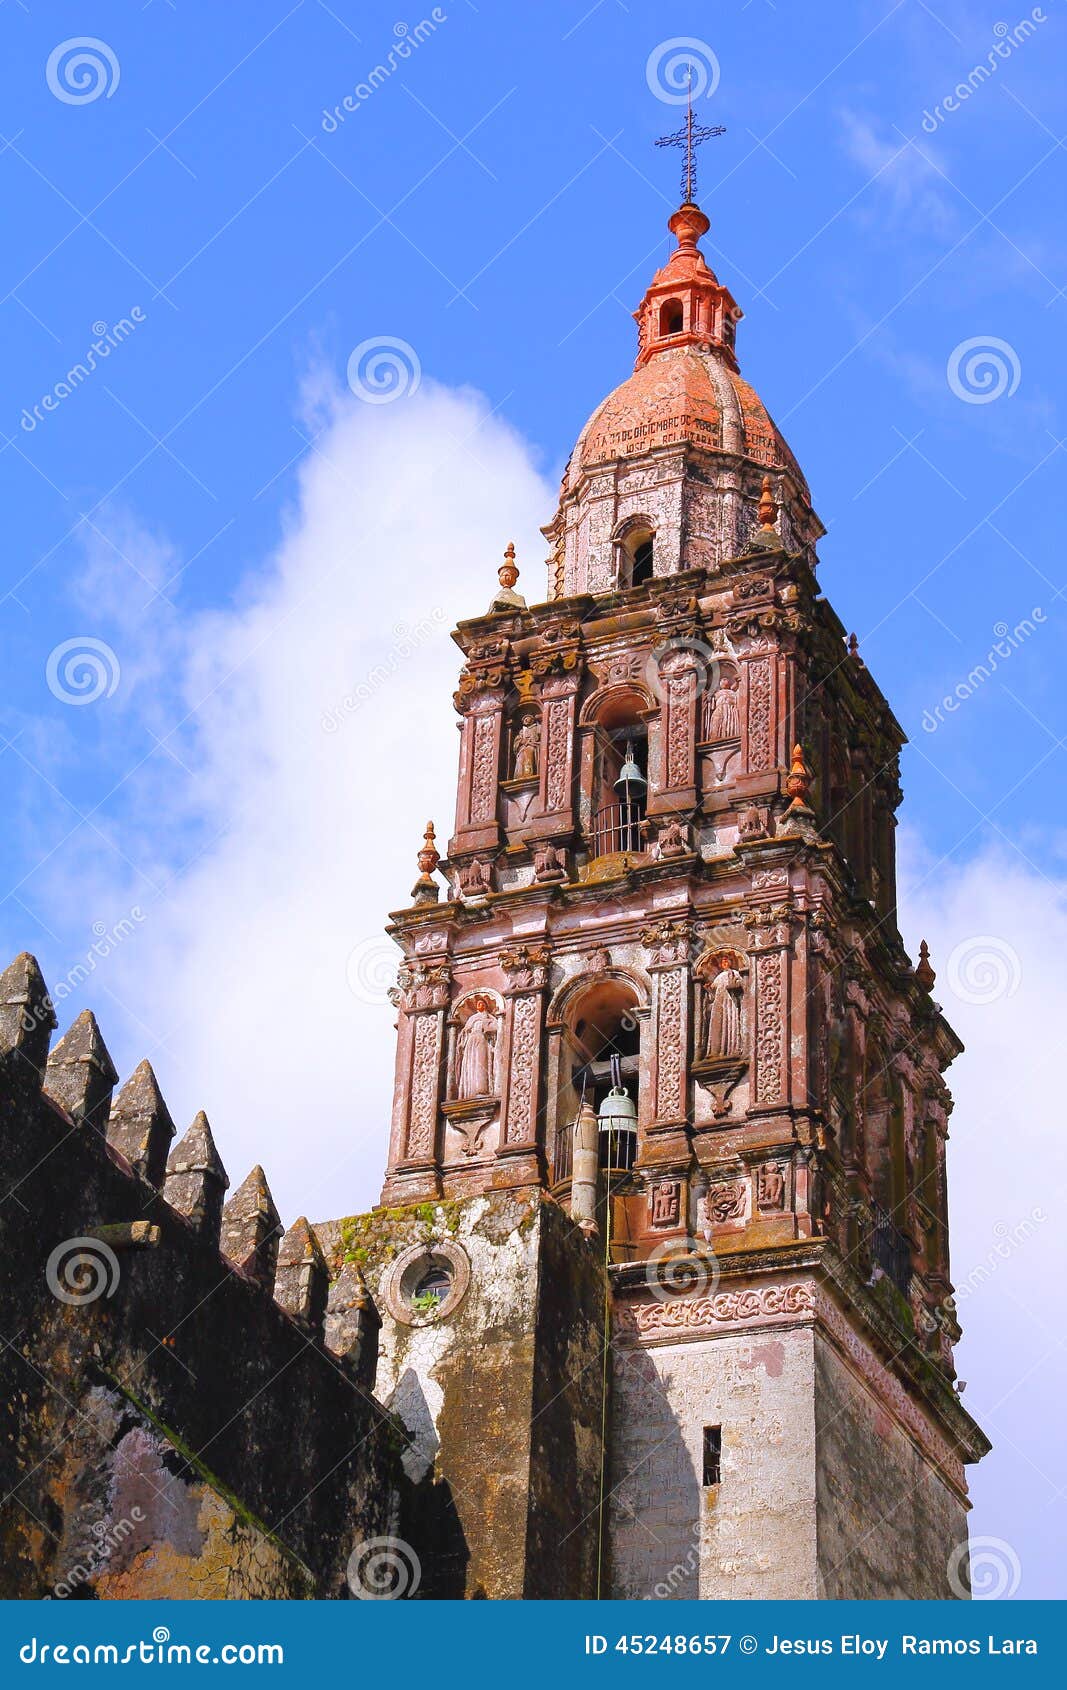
(496, 203)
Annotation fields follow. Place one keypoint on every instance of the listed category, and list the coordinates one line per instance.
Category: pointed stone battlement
(80, 1075)
(301, 1282)
(140, 1126)
(196, 1180)
(252, 1229)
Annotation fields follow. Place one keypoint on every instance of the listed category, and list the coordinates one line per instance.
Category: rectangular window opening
(712, 1454)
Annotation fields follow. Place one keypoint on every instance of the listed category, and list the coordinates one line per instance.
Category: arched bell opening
(604, 1050)
(594, 1045)
(671, 317)
(635, 560)
(620, 777)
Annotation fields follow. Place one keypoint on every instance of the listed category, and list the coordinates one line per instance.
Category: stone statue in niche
(527, 750)
(722, 1018)
(476, 1052)
(722, 718)
(770, 1186)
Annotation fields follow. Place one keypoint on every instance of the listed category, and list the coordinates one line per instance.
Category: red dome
(683, 394)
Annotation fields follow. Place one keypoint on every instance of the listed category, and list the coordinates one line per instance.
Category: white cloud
(997, 930)
(283, 843)
(907, 189)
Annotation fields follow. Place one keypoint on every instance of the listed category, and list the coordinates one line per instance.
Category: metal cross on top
(689, 136)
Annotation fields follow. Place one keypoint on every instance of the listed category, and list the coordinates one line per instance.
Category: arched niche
(671, 317)
(634, 545)
(720, 704)
(475, 1032)
(597, 1015)
(614, 721)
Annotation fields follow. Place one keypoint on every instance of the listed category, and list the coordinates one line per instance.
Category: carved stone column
(423, 998)
(477, 827)
(559, 709)
(679, 673)
(666, 1140)
(520, 1159)
(770, 926)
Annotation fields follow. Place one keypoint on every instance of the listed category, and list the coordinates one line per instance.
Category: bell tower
(665, 1000)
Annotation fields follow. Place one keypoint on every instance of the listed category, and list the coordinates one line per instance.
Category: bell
(617, 1119)
(631, 782)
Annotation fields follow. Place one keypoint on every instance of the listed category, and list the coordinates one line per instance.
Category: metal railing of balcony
(617, 827)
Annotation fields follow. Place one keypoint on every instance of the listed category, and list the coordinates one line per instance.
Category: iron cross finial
(689, 137)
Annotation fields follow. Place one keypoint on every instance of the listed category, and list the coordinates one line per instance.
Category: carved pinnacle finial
(854, 648)
(768, 509)
(798, 782)
(506, 598)
(924, 974)
(425, 889)
(508, 572)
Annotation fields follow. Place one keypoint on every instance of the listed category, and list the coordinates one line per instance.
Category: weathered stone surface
(80, 1074)
(27, 1020)
(169, 1383)
(252, 1229)
(353, 1324)
(140, 1125)
(301, 1282)
(196, 1180)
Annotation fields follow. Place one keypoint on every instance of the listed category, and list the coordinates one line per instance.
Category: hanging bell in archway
(617, 1122)
(631, 783)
